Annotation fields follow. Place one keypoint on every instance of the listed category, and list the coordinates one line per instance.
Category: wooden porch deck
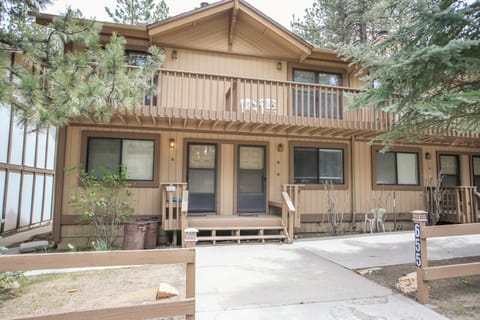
(236, 229)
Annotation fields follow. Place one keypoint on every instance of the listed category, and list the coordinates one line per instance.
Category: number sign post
(419, 218)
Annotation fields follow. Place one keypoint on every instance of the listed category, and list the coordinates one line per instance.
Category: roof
(246, 29)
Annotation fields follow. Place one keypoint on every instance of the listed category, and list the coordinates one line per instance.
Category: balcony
(197, 100)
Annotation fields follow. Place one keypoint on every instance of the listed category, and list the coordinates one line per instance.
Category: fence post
(190, 242)
(190, 237)
(419, 218)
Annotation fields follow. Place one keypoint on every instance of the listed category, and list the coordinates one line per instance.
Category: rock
(408, 283)
(33, 246)
(364, 272)
(166, 291)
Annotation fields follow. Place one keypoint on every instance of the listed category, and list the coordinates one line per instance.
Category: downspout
(352, 187)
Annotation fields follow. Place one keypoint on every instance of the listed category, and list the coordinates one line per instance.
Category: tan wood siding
(227, 178)
(223, 64)
(312, 201)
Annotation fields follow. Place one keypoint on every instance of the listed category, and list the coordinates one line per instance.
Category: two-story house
(245, 110)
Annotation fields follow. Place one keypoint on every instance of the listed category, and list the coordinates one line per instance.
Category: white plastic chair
(268, 105)
(380, 221)
(248, 105)
(375, 217)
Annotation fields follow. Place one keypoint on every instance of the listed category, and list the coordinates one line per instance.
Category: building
(246, 110)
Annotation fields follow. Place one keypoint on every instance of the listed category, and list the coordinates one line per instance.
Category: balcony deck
(218, 102)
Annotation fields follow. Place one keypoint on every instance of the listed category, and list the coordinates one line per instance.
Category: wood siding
(312, 200)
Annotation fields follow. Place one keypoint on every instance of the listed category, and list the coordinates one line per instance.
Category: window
(138, 59)
(109, 154)
(449, 169)
(476, 171)
(396, 168)
(318, 165)
(315, 101)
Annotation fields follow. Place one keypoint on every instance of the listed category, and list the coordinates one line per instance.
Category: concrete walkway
(382, 249)
(277, 281)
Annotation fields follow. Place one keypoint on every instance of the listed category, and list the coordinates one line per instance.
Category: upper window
(315, 101)
(318, 77)
(449, 169)
(397, 168)
(318, 165)
(112, 154)
(138, 59)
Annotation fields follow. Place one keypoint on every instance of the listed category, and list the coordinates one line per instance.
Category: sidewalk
(277, 281)
(381, 249)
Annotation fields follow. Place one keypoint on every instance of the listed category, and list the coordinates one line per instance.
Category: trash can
(134, 235)
(151, 234)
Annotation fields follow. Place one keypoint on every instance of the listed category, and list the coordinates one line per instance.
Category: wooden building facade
(245, 110)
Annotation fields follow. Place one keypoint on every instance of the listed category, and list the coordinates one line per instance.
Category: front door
(202, 177)
(251, 179)
(476, 173)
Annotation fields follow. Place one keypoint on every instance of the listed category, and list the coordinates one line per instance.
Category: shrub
(103, 201)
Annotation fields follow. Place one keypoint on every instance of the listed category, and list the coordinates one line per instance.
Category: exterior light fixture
(280, 147)
(428, 155)
(279, 65)
(174, 54)
(171, 143)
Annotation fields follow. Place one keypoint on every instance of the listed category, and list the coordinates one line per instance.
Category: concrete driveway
(277, 281)
(381, 249)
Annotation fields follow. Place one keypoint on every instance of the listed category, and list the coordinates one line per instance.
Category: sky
(279, 10)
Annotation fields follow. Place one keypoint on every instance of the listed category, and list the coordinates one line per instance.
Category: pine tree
(329, 23)
(64, 84)
(138, 11)
(428, 69)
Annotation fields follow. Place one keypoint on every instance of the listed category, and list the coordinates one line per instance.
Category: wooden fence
(426, 273)
(114, 258)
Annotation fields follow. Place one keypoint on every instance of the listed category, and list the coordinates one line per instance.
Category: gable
(230, 26)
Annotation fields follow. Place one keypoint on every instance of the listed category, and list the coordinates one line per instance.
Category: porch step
(253, 237)
(214, 229)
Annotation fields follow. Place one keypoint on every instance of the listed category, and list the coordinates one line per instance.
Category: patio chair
(268, 105)
(375, 218)
(248, 105)
(380, 218)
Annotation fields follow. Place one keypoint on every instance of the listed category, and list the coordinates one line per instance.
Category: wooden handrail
(458, 204)
(293, 191)
(184, 212)
(226, 76)
(288, 215)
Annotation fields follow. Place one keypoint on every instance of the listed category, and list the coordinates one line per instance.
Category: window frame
(345, 147)
(459, 165)
(126, 136)
(397, 187)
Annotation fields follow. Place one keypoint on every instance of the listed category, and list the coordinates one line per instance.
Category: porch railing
(174, 202)
(293, 191)
(288, 215)
(221, 97)
(458, 204)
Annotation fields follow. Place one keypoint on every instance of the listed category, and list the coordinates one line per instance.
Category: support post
(419, 218)
(191, 237)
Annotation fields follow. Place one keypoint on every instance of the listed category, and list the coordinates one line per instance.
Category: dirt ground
(57, 293)
(455, 298)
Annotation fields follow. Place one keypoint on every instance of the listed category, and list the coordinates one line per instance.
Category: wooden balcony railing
(218, 97)
(458, 204)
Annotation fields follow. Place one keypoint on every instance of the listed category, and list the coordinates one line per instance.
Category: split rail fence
(426, 273)
(114, 258)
